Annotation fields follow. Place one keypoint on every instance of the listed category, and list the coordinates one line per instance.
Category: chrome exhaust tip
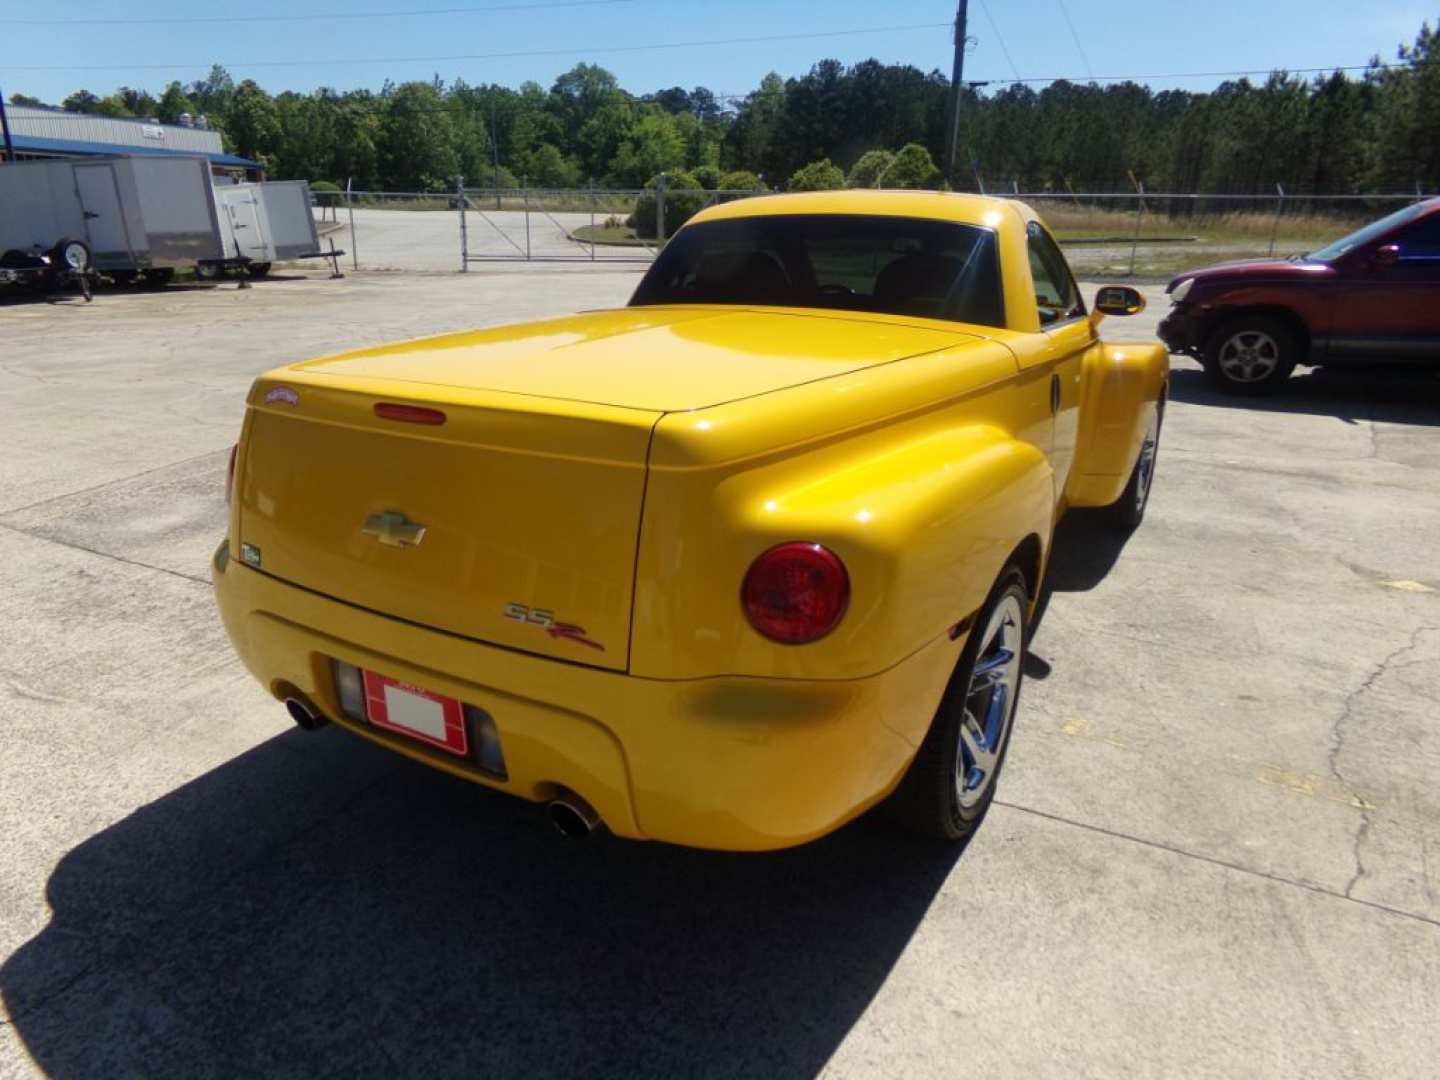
(304, 714)
(573, 816)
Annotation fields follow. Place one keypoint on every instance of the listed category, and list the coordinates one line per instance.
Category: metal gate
(562, 225)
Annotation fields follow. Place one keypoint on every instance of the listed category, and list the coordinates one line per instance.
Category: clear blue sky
(1116, 37)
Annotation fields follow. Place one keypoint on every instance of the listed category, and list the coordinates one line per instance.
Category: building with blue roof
(37, 133)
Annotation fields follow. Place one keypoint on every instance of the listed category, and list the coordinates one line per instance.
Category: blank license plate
(417, 713)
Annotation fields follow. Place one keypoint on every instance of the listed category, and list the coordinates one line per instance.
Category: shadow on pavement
(1409, 395)
(1085, 549)
(317, 906)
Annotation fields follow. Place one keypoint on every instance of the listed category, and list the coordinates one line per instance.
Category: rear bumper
(728, 763)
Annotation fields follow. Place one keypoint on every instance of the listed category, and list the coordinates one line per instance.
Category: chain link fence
(1157, 234)
(1138, 234)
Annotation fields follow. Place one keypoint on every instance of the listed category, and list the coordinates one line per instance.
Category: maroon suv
(1372, 297)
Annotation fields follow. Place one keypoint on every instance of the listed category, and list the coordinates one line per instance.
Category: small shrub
(684, 198)
(819, 175)
(871, 170)
(708, 176)
(913, 168)
(741, 180)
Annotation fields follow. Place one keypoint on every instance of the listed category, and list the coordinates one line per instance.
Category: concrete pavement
(1213, 852)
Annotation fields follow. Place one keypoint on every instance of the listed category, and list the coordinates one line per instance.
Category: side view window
(1421, 241)
(1055, 293)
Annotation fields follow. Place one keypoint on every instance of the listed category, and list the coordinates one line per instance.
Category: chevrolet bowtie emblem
(393, 529)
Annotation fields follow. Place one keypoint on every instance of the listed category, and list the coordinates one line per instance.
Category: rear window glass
(893, 265)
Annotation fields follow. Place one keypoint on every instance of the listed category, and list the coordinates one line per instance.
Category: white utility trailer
(135, 213)
(262, 224)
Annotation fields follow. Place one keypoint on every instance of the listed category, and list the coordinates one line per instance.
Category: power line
(586, 51)
(999, 38)
(332, 16)
(1065, 11)
(1203, 74)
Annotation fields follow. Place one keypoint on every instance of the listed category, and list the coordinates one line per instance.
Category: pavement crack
(21, 690)
(105, 554)
(1338, 735)
(1225, 864)
(10, 511)
(53, 994)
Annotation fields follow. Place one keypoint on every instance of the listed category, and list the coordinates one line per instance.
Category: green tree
(253, 122)
(416, 147)
(137, 102)
(546, 166)
(172, 104)
(652, 146)
(748, 142)
(817, 176)
(81, 101)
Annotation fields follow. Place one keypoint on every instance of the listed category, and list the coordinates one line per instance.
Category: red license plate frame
(401, 707)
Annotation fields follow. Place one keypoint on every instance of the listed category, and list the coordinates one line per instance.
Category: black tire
(1251, 354)
(1128, 511)
(257, 270)
(71, 255)
(208, 271)
(931, 798)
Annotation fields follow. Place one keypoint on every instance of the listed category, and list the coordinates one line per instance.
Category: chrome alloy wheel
(1249, 356)
(990, 702)
(1145, 467)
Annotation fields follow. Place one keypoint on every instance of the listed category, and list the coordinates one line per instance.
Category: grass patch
(616, 235)
(1297, 230)
(1156, 266)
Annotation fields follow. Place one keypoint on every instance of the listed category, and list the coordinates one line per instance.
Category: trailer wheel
(257, 269)
(72, 255)
(208, 271)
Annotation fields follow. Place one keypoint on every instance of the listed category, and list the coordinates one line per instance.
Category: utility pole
(957, 85)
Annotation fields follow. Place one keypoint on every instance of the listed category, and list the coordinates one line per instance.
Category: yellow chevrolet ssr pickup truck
(724, 567)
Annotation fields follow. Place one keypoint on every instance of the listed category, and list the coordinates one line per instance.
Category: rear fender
(1124, 384)
(924, 527)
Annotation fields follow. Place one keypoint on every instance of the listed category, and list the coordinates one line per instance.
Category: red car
(1372, 297)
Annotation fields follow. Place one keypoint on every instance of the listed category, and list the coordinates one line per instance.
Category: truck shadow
(319, 906)
(1085, 549)
(1409, 395)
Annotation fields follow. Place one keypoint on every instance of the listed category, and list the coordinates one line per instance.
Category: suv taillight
(230, 475)
(796, 593)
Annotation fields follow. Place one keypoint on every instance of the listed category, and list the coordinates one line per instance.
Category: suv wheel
(1251, 355)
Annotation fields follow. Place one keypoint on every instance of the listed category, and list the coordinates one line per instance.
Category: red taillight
(796, 593)
(230, 475)
(410, 414)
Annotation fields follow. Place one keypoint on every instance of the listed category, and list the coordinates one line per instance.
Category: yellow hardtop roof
(938, 205)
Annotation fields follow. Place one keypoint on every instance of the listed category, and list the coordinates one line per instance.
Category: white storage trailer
(266, 223)
(135, 213)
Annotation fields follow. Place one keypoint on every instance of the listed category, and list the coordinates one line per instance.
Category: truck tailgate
(530, 510)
